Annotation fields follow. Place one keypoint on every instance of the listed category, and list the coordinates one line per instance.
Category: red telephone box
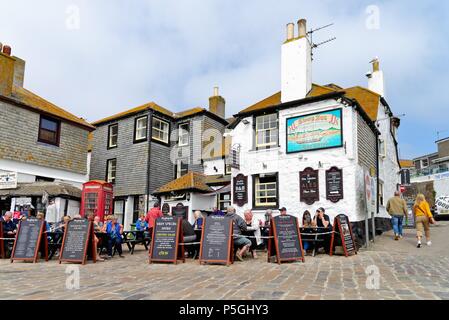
(96, 198)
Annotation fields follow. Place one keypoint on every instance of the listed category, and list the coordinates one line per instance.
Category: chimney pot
(302, 28)
(376, 64)
(7, 50)
(290, 31)
(216, 92)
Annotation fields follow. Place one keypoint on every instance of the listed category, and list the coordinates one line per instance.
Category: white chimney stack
(296, 64)
(376, 78)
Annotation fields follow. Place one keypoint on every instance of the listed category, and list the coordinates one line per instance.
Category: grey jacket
(239, 223)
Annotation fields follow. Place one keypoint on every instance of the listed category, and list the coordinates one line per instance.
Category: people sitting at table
(141, 224)
(9, 231)
(283, 211)
(198, 223)
(241, 243)
(266, 230)
(114, 231)
(153, 214)
(41, 216)
(217, 212)
(9, 227)
(98, 225)
(189, 236)
(307, 223)
(322, 221)
(253, 231)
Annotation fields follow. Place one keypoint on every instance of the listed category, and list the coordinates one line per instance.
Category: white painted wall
(26, 171)
(289, 165)
(388, 165)
(296, 69)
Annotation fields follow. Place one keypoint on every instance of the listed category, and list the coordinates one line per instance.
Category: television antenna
(439, 132)
(316, 45)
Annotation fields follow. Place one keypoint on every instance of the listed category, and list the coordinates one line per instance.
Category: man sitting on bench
(241, 243)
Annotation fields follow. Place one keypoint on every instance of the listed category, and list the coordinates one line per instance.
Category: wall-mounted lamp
(215, 168)
(245, 122)
(264, 165)
(320, 165)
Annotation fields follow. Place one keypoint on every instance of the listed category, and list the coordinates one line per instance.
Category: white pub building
(311, 146)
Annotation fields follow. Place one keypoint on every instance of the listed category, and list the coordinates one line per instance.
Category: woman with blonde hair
(423, 219)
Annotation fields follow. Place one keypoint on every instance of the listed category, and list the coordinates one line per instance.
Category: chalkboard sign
(78, 241)
(343, 227)
(216, 240)
(180, 211)
(30, 239)
(287, 244)
(334, 184)
(240, 190)
(167, 236)
(309, 186)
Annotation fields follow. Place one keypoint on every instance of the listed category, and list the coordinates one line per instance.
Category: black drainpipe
(150, 134)
(378, 183)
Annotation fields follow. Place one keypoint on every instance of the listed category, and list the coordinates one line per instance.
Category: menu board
(334, 184)
(309, 186)
(343, 227)
(180, 211)
(76, 241)
(216, 240)
(166, 238)
(287, 239)
(240, 190)
(28, 240)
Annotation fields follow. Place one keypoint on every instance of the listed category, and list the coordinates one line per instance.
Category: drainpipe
(150, 134)
(378, 184)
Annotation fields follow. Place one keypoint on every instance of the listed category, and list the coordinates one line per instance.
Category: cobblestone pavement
(405, 273)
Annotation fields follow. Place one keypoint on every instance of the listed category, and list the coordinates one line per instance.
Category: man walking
(397, 209)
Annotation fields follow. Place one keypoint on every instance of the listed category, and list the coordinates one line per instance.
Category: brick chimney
(296, 64)
(217, 104)
(6, 71)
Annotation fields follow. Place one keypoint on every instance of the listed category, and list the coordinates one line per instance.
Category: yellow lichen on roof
(368, 100)
(272, 100)
(40, 104)
(189, 181)
(146, 106)
(188, 112)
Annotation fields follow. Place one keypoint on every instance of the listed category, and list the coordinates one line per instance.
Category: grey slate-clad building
(124, 154)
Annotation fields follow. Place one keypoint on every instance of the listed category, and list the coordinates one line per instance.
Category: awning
(37, 189)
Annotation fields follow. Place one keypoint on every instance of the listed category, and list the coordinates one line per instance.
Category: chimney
(19, 72)
(217, 104)
(296, 64)
(376, 78)
(6, 71)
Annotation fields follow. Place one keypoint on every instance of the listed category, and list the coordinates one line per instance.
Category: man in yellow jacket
(397, 209)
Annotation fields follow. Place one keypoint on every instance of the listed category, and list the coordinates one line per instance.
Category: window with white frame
(160, 130)
(140, 129)
(265, 191)
(267, 131)
(112, 135)
(224, 201)
(119, 210)
(182, 167)
(183, 134)
(111, 169)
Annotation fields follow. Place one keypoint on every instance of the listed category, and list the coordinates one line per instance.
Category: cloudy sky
(99, 57)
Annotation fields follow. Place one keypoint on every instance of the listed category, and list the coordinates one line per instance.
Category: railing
(429, 171)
